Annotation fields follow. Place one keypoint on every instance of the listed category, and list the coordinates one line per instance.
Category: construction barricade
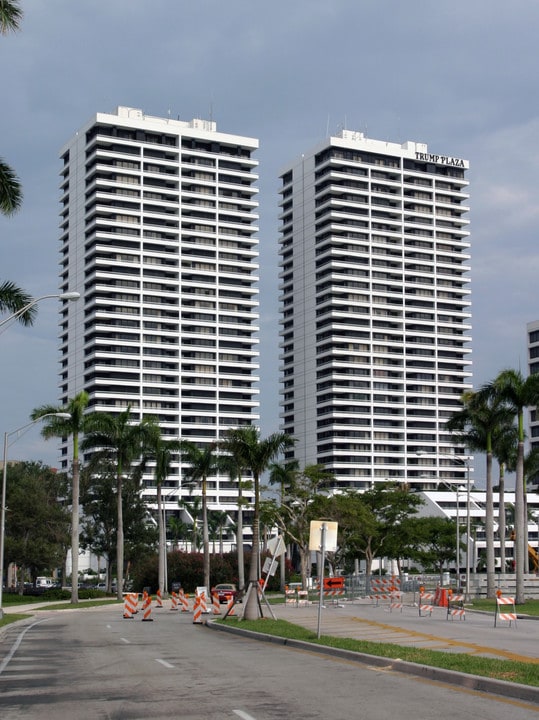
(505, 609)
(383, 589)
(184, 601)
(455, 607)
(130, 605)
(173, 601)
(427, 601)
(216, 605)
(395, 602)
(147, 609)
(197, 610)
(291, 596)
(158, 599)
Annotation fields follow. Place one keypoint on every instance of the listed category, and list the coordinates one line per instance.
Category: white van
(44, 583)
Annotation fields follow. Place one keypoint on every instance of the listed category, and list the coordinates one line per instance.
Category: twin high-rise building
(159, 235)
(375, 309)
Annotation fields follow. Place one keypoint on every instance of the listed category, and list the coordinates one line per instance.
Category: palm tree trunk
(251, 608)
(519, 525)
(75, 533)
(161, 529)
(501, 517)
(120, 542)
(489, 531)
(205, 536)
(239, 539)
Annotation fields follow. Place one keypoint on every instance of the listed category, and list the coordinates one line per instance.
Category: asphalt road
(93, 664)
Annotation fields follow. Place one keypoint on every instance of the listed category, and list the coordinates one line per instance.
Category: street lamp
(7, 435)
(16, 315)
(465, 462)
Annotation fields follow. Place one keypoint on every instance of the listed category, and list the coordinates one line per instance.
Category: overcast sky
(459, 76)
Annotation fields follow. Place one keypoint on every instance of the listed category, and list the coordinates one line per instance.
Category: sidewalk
(475, 634)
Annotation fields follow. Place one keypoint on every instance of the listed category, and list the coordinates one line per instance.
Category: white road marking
(125, 640)
(243, 715)
(164, 662)
(6, 660)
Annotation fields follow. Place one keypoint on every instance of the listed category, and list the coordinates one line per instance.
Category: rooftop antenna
(327, 127)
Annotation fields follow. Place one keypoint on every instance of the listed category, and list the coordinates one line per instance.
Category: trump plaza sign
(440, 159)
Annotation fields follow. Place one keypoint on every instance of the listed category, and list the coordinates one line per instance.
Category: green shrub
(91, 594)
(56, 594)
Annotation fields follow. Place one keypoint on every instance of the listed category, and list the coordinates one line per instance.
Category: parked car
(225, 591)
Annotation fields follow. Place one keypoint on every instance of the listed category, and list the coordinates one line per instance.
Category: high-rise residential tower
(159, 235)
(375, 310)
(532, 332)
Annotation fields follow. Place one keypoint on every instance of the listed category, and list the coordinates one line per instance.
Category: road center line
(243, 715)
(164, 662)
(125, 640)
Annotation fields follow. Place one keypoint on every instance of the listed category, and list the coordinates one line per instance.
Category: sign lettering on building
(439, 159)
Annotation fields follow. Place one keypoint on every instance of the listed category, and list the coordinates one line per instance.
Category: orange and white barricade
(230, 607)
(202, 601)
(197, 610)
(383, 589)
(147, 609)
(158, 599)
(505, 609)
(395, 602)
(455, 607)
(216, 605)
(130, 606)
(426, 603)
(173, 600)
(184, 601)
(290, 596)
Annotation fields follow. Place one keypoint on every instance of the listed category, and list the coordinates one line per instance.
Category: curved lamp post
(465, 462)
(16, 315)
(7, 435)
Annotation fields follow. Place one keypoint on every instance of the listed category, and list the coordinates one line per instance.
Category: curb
(516, 691)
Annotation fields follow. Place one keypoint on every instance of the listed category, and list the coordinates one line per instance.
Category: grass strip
(508, 670)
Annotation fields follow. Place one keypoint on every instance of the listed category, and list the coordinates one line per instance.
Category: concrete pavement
(475, 634)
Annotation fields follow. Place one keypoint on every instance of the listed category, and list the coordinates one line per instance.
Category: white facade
(532, 331)
(455, 506)
(375, 310)
(159, 235)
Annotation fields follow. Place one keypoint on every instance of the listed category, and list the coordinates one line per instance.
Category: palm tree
(69, 427)
(118, 438)
(505, 451)
(163, 452)
(519, 393)
(202, 462)
(283, 474)
(232, 462)
(218, 520)
(256, 454)
(178, 530)
(12, 298)
(194, 509)
(10, 16)
(476, 425)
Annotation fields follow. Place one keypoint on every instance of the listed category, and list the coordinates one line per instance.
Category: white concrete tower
(375, 309)
(159, 235)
